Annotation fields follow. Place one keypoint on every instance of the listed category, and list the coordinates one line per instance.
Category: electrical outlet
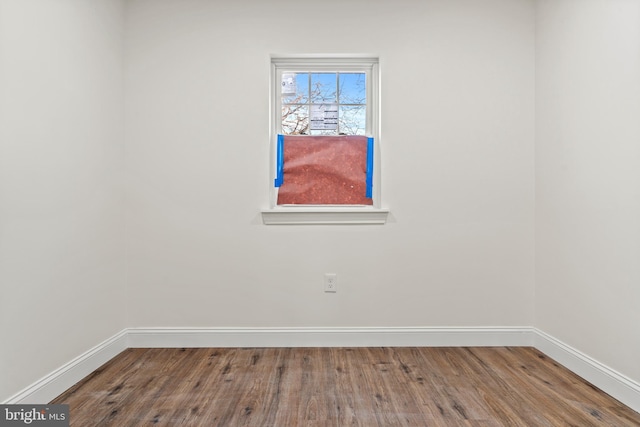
(330, 282)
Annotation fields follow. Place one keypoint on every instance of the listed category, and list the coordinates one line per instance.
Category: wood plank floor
(498, 386)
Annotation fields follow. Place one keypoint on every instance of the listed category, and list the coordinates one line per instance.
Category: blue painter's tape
(279, 161)
(369, 168)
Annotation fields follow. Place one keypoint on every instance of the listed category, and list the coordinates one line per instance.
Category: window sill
(324, 216)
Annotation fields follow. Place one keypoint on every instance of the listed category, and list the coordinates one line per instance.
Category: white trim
(609, 380)
(52, 385)
(338, 59)
(324, 216)
(330, 337)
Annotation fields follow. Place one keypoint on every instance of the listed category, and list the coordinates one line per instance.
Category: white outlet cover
(331, 282)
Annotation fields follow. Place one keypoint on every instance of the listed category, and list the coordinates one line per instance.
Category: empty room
(323, 213)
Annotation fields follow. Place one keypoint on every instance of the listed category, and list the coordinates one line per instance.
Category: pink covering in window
(324, 170)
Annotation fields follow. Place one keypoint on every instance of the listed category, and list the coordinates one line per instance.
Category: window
(328, 103)
(324, 139)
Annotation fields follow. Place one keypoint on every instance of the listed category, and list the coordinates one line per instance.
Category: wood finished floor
(382, 386)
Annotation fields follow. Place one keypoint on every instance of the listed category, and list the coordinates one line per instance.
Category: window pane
(295, 88)
(323, 88)
(352, 88)
(295, 119)
(324, 116)
(353, 120)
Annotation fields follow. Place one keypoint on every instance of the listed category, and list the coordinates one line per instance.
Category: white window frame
(325, 214)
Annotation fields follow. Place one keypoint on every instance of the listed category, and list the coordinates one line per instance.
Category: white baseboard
(53, 384)
(330, 337)
(606, 379)
(603, 377)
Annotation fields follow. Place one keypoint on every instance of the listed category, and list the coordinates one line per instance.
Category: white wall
(588, 177)
(458, 173)
(61, 204)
